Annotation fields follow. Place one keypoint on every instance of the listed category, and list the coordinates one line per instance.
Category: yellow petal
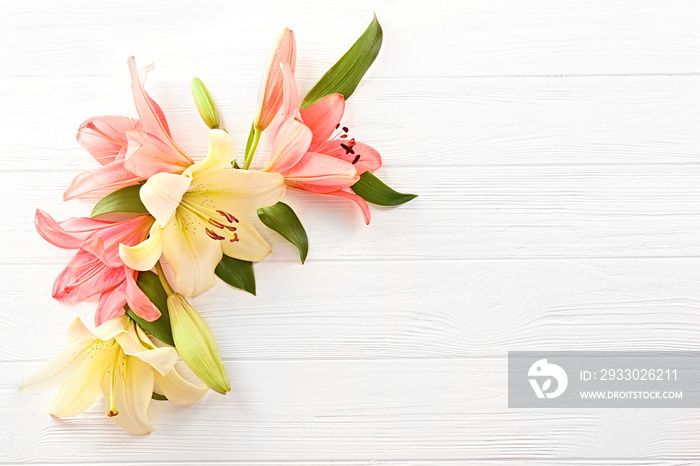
(78, 331)
(250, 245)
(144, 255)
(79, 393)
(162, 194)
(222, 151)
(191, 254)
(238, 192)
(178, 390)
(160, 359)
(133, 389)
(69, 363)
(112, 328)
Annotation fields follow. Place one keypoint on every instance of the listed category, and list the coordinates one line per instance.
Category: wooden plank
(354, 410)
(421, 309)
(445, 38)
(414, 123)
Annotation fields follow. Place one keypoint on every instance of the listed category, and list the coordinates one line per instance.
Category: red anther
(229, 217)
(352, 142)
(230, 228)
(216, 224)
(357, 159)
(112, 412)
(348, 149)
(235, 238)
(342, 136)
(345, 129)
(337, 126)
(213, 235)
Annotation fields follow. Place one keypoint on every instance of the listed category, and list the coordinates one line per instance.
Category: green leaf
(345, 75)
(158, 396)
(123, 200)
(237, 273)
(281, 218)
(160, 328)
(372, 189)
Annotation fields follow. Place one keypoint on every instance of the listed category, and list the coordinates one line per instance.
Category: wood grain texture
(555, 148)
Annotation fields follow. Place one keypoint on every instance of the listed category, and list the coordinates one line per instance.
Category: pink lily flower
(313, 152)
(128, 149)
(97, 268)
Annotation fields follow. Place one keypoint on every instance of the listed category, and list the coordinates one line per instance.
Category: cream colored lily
(119, 360)
(200, 215)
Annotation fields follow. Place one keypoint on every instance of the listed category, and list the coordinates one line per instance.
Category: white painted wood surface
(556, 150)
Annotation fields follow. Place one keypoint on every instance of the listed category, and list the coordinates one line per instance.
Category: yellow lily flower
(200, 215)
(119, 360)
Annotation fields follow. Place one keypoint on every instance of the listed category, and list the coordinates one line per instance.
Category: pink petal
(105, 136)
(96, 184)
(147, 155)
(289, 90)
(138, 301)
(151, 115)
(290, 144)
(69, 234)
(111, 304)
(270, 99)
(361, 203)
(105, 243)
(365, 158)
(85, 276)
(323, 116)
(320, 173)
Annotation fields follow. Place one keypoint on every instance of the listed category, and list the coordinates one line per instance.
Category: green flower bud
(205, 104)
(196, 345)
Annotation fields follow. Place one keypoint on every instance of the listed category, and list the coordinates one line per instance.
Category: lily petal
(104, 137)
(84, 276)
(222, 152)
(79, 393)
(144, 255)
(150, 114)
(95, 184)
(138, 301)
(111, 304)
(178, 390)
(192, 255)
(162, 194)
(323, 117)
(239, 192)
(132, 390)
(69, 234)
(147, 155)
(250, 245)
(69, 363)
(78, 331)
(290, 144)
(321, 173)
(361, 203)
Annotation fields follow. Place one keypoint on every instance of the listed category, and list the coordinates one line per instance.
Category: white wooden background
(556, 150)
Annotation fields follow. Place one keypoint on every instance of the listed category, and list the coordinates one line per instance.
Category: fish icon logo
(547, 371)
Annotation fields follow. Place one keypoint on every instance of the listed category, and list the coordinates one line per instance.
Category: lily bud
(270, 98)
(205, 104)
(195, 343)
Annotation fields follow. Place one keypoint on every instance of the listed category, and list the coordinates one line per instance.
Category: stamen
(213, 235)
(235, 238)
(348, 149)
(357, 159)
(343, 136)
(345, 128)
(216, 224)
(352, 142)
(229, 217)
(230, 228)
(112, 405)
(338, 126)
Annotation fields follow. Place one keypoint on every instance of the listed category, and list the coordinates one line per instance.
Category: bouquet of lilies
(164, 226)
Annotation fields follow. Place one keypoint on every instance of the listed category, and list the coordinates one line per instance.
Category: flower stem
(251, 145)
(163, 280)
